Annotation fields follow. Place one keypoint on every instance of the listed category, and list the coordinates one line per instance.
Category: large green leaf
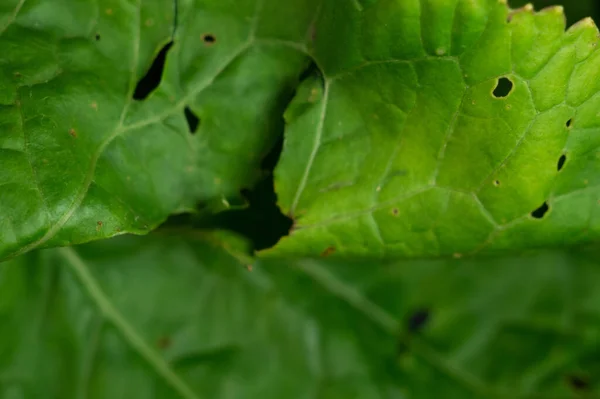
(411, 144)
(81, 159)
(178, 317)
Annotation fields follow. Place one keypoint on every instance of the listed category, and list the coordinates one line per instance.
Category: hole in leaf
(209, 39)
(503, 87)
(97, 37)
(192, 120)
(497, 183)
(418, 319)
(561, 162)
(151, 80)
(578, 382)
(569, 122)
(541, 211)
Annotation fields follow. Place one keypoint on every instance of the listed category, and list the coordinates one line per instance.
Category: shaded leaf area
(439, 129)
(116, 114)
(184, 317)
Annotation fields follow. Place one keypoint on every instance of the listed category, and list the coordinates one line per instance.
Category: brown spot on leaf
(163, 342)
(395, 211)
(99, 225)
(328, 251)
(249, 268)
(73, 133)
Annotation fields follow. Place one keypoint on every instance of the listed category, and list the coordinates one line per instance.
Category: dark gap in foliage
(541, 211)
(97, 37)
(152, 79)
(192, 120)
(561, 162)
(503, 87)
(578, 382)
(261, 221)
(310, 70)
(569, 122)
(418, 320)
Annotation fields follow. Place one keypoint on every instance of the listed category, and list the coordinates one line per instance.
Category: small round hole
(209, 39)
(503, 88)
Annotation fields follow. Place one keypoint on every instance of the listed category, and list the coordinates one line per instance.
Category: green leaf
(412, 144)
(81, 159)
(179, 317)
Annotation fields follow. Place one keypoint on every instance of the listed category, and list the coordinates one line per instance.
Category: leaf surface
(88, 153)
(443, 128)
(182, 317)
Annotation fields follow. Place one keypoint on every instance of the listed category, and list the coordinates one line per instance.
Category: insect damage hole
(541, 211)
(418, 320)
(503, 87)
(561, 162)
(569, 123)
(152, 79)
(578, 382)
(209, 39)
(192, 120)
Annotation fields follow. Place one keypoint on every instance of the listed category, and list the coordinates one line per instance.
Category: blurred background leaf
(170, 316)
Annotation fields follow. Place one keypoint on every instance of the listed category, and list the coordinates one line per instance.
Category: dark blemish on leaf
(418, 319)
(73, 133)
(578, 382)
(561, 162)
(503, 87)
(18, 74)
(569, 122)
(328, 251)
(163, 342)
(541, 211)
(192, 120)
(99, 225)
(97, 37)
(152, 79)
(395, 211)
(209, 39)
(497, 183)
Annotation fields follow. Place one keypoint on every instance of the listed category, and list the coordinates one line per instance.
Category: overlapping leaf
(81, 159)
(443, 128)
